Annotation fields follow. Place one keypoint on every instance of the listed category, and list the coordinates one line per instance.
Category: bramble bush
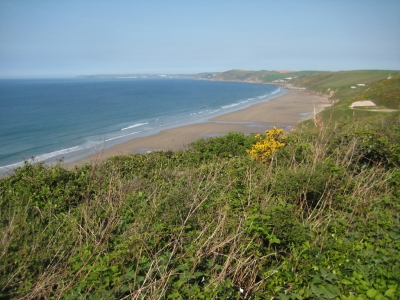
(231, 145)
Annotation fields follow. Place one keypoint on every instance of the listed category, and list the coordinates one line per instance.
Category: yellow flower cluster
(265, 147)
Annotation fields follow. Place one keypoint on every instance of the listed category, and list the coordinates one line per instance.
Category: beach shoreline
(285, 111)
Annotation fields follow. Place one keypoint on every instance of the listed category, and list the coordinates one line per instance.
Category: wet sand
(284, 112)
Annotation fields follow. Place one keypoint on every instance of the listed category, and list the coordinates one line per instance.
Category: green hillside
(385, 93)
(317, 219)
(338, 84)
(260, 76)
(344, 78)
(349, 86)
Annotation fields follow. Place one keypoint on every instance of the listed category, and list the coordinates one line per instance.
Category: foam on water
(232, 105)
(135, 125)
(44, 157)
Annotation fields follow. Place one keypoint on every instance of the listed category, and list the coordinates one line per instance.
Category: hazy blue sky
(69, 38)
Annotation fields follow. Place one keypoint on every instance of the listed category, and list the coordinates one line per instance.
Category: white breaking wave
(274, 92)
(135, 125)
(45, 156)
(200, 112)
(232, 105)
(121, 136)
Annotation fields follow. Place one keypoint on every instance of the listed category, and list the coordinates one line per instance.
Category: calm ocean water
(54, 118)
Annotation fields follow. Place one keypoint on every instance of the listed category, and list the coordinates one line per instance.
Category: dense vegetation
(319, 219)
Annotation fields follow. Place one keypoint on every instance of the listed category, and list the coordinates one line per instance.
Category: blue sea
(49, 119)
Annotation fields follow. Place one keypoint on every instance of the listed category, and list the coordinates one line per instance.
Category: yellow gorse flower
(265, 147)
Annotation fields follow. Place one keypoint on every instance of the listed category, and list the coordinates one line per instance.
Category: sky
(49, 38)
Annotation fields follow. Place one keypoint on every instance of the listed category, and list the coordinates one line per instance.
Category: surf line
(135, 125)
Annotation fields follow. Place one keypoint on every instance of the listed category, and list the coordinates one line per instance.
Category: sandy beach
(283, 112)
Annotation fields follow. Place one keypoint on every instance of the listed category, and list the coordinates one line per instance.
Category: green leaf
(357, 275)
(316, 279)
(274, 240)
(180, 283)
(328, 292)
(182, 267)
(283, 296)
(390, 293)
(125, 288)
(394, 235)
(372, 293)
(198, 274)
(331, 278)
(347, 282)
(363, 287)
(324, 272)
(174, 295)
(332, 291)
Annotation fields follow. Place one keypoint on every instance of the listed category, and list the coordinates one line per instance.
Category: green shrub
(230, 145)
